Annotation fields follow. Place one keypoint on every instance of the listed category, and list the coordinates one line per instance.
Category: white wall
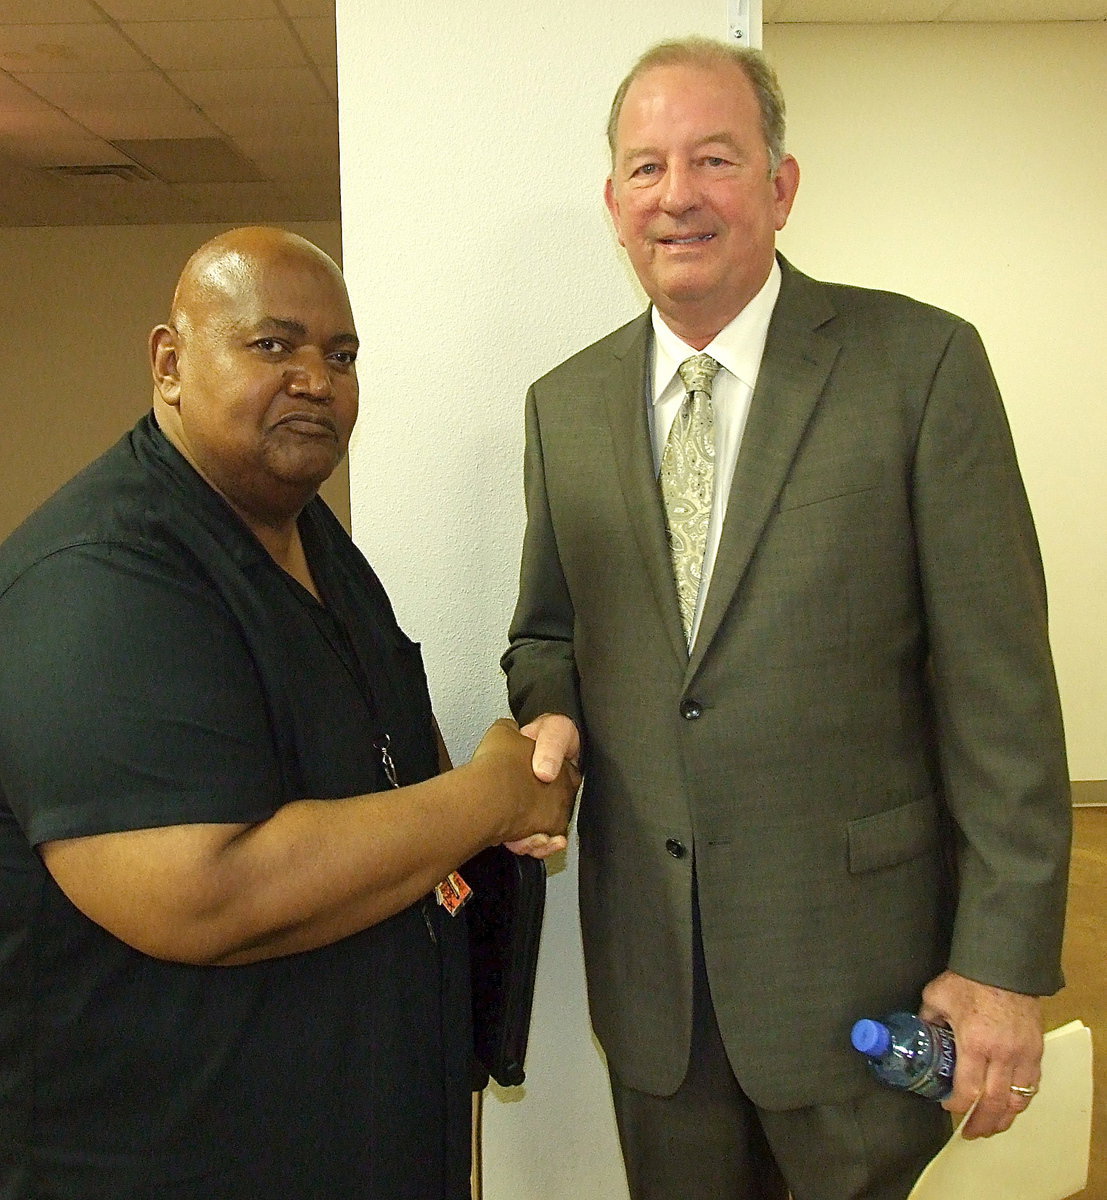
(76, 306)
(955, 163)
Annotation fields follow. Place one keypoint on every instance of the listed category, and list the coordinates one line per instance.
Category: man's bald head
(231, 263)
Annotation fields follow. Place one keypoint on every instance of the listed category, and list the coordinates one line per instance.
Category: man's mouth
(318, 426)
(692, 239)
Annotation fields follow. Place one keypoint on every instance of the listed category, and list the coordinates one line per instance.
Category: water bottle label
(943, 1068)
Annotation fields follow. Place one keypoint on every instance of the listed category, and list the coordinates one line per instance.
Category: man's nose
(308, 374)
(680, 191)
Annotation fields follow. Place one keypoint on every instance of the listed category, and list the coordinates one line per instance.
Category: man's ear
(164, 365)
(786, 179)
(612, 202)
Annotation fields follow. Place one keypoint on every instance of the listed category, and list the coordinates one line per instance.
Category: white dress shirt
(738, 349)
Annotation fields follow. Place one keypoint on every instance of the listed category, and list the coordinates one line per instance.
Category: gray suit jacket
(862, 763)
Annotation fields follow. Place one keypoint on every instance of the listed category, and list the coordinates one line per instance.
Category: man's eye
(647, 169)
(269, 345)
(713, 160)
(344, 358)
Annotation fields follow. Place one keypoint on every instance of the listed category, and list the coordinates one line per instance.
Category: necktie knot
(698, 372)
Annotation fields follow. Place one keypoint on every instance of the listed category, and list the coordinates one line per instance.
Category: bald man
(224, 805)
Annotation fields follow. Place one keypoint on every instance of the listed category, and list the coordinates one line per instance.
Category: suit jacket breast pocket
(829, 482)
(894, 836)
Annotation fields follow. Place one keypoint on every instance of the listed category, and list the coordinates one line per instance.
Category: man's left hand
(999, 1045)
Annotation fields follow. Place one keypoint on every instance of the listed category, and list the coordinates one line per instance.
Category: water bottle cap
(871, 1037)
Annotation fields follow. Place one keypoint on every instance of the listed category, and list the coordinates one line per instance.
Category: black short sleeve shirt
(157, 668)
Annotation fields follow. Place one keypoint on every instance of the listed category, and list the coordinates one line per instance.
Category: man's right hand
(542, 805)
(556, 742)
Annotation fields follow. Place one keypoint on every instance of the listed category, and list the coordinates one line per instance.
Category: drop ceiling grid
(76, 76)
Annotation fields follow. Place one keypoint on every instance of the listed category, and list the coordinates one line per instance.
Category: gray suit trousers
(711, 1142)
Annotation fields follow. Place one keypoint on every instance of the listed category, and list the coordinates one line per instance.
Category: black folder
(505, 923)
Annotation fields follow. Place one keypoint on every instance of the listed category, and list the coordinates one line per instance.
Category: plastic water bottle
(907, 1052)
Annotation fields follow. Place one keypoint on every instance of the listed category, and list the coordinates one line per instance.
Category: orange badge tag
(452, 892)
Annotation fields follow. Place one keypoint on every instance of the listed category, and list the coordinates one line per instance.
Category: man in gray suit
(789, 609)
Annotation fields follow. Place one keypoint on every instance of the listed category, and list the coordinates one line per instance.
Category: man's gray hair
(707, 52)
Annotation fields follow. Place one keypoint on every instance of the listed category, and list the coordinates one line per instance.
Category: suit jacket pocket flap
(846, 479)
(893, 836)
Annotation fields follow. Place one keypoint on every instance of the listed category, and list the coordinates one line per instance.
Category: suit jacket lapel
(624, 391)
(794, 370)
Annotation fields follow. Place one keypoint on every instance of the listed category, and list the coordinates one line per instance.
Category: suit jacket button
(675, 848)
(691, 710)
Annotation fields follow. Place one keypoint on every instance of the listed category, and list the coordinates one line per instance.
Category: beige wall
(962, 164)
(76, 306)
(965, 165)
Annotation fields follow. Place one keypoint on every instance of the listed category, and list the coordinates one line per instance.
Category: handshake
(545, 760)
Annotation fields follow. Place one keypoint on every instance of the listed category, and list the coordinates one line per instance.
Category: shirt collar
(738, 346)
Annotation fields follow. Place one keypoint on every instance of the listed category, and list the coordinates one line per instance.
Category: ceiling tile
(330, 80)
(320, 141)
(106, 89)
(285, 90)
(116, 124)
(26, 48)
(49, 12)
(238, 203)
(149, 204)
(61, 150)
(186, 10)
(292, 159)
(318, 36)
(22, 182)
(39, 208)
(192, 160)
(15, 97)
(111, 201)
(44, 122)
(316, 120)
(312, 200)
(309, 8)
(217, 45)
(310, 208)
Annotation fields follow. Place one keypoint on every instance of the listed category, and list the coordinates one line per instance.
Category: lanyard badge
(453, 891)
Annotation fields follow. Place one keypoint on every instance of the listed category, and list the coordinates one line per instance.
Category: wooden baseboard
(1089, 793)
